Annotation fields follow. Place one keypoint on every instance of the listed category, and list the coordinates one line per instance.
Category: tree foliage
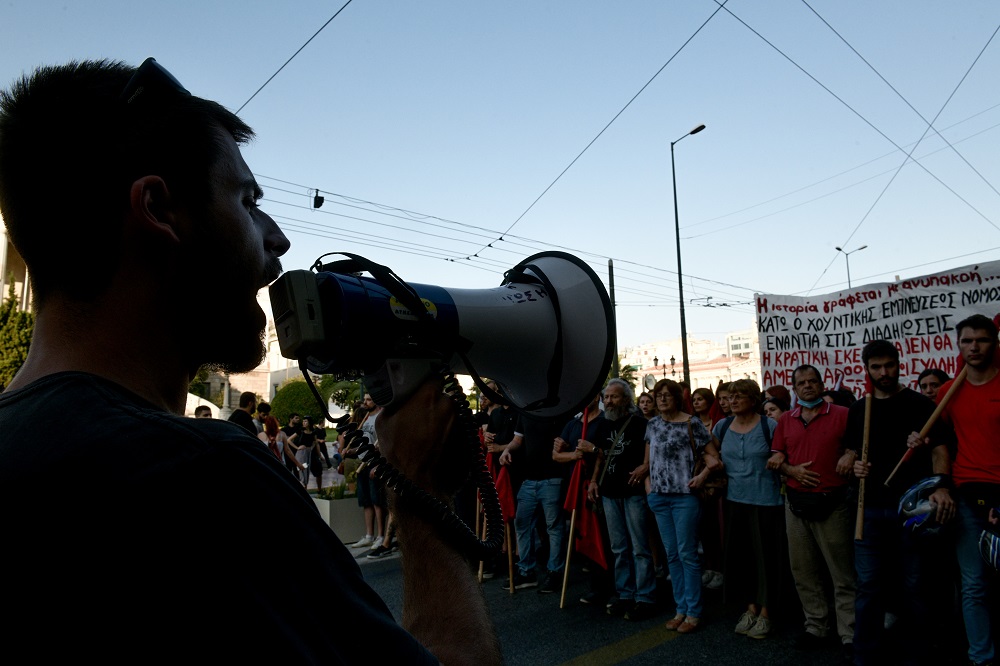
(627, 373)
(15, 337)
(343, 393)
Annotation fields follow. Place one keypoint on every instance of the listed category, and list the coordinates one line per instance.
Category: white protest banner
(917, 315)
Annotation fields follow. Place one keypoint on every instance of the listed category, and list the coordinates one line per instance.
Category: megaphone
(545, 335)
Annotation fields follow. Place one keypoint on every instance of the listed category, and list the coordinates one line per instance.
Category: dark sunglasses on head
(150, 84)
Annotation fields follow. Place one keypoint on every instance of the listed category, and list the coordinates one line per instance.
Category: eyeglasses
(150, 84)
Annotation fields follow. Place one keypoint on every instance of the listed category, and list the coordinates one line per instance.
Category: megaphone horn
(545, 335)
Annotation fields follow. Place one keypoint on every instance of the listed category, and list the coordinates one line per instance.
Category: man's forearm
(443, 604)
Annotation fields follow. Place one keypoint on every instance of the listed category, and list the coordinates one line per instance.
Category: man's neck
(978, 376)
(882, 395)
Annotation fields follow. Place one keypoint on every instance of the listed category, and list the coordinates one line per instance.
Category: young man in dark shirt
(156, 562)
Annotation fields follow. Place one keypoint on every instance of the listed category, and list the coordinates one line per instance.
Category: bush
(294, 397)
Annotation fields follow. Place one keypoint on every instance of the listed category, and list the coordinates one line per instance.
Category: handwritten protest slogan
(917, 315)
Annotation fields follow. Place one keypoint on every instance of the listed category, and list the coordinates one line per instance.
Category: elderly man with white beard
(618, 483)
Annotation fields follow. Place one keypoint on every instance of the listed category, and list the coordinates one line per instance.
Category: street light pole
(680, 274)
(847, 258)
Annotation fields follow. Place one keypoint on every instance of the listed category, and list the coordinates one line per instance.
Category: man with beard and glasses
(617, 483)
(892, 564)
(118, 188)
(974, 413)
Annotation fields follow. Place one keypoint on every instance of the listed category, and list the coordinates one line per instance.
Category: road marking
(624, 649)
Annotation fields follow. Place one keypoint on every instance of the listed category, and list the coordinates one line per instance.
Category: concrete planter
(344, 517)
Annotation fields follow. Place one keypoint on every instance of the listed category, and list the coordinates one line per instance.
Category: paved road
(534, 631)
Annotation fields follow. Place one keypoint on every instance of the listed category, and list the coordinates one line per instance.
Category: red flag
(576, 492)
(490, 465)
(589, 540)
(506, 494)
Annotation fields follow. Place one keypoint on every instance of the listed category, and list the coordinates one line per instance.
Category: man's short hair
(248, 398)
(626, 388)
(201, 409)
(70, 149)
(936, 372)
(805, 367)
(263, 408)
(879, 349)
(976, 322)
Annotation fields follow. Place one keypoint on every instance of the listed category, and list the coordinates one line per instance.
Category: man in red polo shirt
(808, 449)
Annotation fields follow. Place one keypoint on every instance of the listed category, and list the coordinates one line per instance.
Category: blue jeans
(635, 578)
(677, 517)
(975, 583)
(545, 493)
(889, 562)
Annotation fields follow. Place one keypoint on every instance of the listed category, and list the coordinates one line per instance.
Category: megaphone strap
(385, 276)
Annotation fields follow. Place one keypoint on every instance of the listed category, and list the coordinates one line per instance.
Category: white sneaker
(747, 621)
(363, 542)
(706, 577)
(716, 581)
(376, 543)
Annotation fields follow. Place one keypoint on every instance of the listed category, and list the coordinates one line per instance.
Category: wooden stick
(479, 509)
(859, 525)
(572, 518)
(569, 552)
(510, 556)
(932, 420)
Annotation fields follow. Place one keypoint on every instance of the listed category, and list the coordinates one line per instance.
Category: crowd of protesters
(744, 489)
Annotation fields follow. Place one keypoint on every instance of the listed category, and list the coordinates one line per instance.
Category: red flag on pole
(588, 539)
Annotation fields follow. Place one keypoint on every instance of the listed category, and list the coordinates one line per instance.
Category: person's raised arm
(443, 605)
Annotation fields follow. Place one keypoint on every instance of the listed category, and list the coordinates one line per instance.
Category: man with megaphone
(157, 560)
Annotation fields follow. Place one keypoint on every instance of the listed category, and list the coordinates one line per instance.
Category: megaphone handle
(432, 509)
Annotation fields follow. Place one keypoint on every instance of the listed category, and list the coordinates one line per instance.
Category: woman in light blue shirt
(755, 519)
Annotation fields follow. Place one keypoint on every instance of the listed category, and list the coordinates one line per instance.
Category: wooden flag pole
(859, 525)
(932, 420)
(510, 556)
(572, 526)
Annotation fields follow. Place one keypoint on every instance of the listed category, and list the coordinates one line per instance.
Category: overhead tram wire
(854, 111)
(293, 55)
(822, 196)
(599, 134)
(907, 158)
(846, 171)
(897, 271)
(906, 101)
(532, 244)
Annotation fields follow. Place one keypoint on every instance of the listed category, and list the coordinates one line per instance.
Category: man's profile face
(242, 244)
(295, 420)
(977, 347)
(807, 385)
(883, 371)
(929, 386)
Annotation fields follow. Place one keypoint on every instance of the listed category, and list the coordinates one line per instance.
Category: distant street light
(680, 274)
(847, 258)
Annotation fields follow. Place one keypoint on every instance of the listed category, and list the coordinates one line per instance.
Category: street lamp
(847, 258)
(673, 372)
(680, 275)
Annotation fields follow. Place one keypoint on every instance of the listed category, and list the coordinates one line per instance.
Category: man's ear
(152, 208)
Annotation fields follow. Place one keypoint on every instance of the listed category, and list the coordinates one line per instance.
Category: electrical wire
(293, 55)
(592, 141)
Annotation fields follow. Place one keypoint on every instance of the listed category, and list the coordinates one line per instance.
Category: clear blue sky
(468, 111)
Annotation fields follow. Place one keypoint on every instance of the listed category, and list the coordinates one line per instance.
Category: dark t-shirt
(158, 538)
(624, 450)
(892, 421)
(244, 420)
(539, 435)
